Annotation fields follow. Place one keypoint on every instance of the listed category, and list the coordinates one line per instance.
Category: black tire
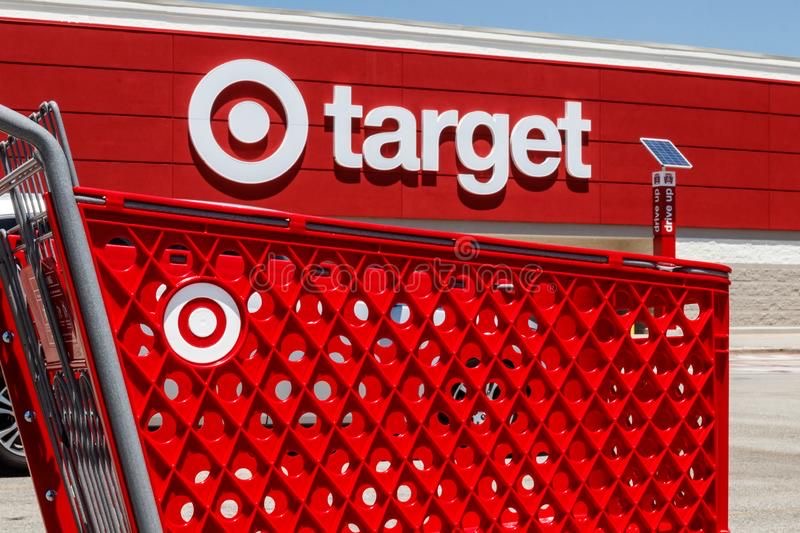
(12, 456)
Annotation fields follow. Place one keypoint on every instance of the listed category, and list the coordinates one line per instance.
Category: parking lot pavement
(765, 452)
(765, 443)
(19, 512)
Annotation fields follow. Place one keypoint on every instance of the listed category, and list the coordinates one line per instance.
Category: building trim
(171, 15)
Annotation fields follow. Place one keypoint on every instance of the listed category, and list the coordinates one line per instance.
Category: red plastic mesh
(579, 398)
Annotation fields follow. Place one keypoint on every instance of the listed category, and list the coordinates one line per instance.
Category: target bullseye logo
(248, 121)
(408, 139)
(202, 322)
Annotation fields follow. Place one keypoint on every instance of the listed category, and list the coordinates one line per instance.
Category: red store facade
(526, 135)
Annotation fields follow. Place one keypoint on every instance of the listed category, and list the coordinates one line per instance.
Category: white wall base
(740, 251)
(765, 339)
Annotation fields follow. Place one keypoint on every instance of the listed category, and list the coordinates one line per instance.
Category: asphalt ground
(765, 444)
(764, 462)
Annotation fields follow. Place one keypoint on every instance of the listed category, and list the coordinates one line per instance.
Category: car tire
(12, 455)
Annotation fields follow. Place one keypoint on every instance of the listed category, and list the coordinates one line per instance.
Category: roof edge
(301, 25)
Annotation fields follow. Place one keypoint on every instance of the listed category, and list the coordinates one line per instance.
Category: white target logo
(248, 121)
(202, 323)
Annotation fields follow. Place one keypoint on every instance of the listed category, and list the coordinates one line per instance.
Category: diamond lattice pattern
(378, 391)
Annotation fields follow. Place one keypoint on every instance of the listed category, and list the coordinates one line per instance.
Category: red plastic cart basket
(192, 366)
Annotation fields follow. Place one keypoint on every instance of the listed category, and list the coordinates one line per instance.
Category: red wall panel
(87, 90)
(144, 178)
(784, 172)
(784, 210)
(713, 167)
(308, 191)
(55, 44)
(299, 60)
(685, 127)
(556, 204)
(121, 138)
(702, 207)
(784, 133)
(689, 91)
(125, 95)
(504, 76)
(784, 98)
(627, 203)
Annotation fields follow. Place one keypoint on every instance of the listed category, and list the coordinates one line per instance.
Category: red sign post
(664, 213)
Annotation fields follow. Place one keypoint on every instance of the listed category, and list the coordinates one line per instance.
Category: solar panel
(666, 153)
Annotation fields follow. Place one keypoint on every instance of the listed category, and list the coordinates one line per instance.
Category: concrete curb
(762, 350)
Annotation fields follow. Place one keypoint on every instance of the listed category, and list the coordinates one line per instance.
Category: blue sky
(769, 26)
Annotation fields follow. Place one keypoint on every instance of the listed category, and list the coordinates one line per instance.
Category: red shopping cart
(194, 366)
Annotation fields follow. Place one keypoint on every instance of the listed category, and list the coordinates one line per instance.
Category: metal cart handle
(58, 174)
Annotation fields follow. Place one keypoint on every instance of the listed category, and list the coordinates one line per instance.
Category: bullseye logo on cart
(394, 138)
